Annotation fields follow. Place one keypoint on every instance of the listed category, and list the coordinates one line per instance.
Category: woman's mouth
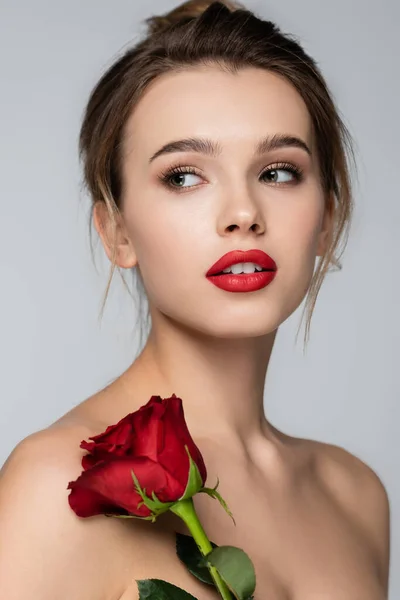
(243, 271)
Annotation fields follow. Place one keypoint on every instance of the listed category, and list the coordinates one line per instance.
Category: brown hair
(201, 32)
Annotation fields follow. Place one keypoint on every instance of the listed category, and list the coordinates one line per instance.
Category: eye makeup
(167, 176)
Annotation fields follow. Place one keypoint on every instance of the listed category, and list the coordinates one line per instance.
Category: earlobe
(110, 234)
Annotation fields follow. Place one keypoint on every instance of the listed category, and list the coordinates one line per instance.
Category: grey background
(54, 353)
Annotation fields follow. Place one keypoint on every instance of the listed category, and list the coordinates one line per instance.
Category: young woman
(212, 144)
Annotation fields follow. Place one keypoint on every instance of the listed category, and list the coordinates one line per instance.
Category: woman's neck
(221, 381)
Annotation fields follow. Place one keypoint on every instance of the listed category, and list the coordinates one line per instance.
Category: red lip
(240, 256)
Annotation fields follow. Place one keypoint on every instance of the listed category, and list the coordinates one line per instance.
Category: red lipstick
(243, 282)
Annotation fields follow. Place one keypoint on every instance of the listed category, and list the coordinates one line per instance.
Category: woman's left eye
(295, 175)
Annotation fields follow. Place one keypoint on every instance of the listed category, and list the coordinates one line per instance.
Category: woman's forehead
(215, 104)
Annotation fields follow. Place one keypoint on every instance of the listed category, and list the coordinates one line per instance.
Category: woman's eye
(273, 175)
(284, 174)
(178, 179)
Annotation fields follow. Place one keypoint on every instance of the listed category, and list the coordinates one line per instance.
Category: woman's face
(178, 230)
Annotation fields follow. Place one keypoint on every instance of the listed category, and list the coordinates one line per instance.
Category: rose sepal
(193, 486)
(214, 494)
(155, 505)
(194, 482)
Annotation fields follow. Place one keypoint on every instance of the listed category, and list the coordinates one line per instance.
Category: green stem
(186, 511)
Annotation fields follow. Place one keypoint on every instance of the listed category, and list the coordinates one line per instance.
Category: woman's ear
(114, 234)
(325, 235)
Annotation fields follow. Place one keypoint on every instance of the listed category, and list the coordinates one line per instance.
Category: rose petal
(177, 435)
(110, 483)
(86, 502)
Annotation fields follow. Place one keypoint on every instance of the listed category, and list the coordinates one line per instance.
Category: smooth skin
(313, 518)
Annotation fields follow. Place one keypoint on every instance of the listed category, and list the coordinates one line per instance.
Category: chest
(302, 544)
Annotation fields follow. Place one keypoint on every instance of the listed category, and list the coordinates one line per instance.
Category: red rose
(150, 442)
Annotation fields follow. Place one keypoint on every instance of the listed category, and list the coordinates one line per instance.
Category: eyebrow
(213, 149)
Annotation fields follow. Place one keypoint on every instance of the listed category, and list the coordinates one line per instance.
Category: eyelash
(166, 176)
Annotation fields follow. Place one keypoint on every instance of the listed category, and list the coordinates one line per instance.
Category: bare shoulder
(361, 493)
(351, 479)
(45, 450)
(103, 408)
(43, 533)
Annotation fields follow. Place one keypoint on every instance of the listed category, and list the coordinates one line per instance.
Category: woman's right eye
(175, 177)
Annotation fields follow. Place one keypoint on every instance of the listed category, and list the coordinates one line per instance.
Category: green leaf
(235, 568)
(189, 553)
(157, 589)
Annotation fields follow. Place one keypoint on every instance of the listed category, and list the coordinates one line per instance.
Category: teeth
(242, 268)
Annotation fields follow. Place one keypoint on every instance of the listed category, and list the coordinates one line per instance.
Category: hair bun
(188, 10)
